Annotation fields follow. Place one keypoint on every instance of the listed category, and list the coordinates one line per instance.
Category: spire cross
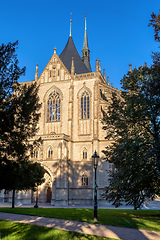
(85, 21)
(70, 25)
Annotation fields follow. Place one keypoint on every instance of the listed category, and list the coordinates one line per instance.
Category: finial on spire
(54, 49)
(99, 67)
(108, 80)
(96, 65)
(36, 74)
(104, 74)
(72, 66)
(70, 25)
(130, 67)
(85, 21)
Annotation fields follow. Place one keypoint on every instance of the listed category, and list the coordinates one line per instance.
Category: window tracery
(53, 107)
(50, 152)
(85, 110)
(84, 153)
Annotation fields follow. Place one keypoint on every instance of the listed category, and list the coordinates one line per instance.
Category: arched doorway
(49, 194)
(44, 191)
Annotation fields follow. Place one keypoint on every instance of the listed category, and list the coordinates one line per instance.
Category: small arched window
(35, 154)
(84, 153)
(84, 180)
(53, 107)
(50, 152)
(85, 105)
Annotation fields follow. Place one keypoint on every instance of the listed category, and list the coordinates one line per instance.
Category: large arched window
(85, 105)
(54, 107)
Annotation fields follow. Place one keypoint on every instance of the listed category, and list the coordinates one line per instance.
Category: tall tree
(19, 114)
(133, 119)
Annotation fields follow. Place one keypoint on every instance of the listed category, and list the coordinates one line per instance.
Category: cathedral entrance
(49, 194)
(44, 191)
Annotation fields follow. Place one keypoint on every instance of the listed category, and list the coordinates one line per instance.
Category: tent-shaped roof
(66, 57)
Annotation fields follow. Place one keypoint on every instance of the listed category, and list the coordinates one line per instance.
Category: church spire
(85, 42)
(85, 50)
(70, 25)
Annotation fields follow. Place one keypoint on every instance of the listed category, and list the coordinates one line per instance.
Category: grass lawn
(21, 231)
(140, 219)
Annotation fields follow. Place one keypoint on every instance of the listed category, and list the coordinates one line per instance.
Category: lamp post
(95, 158)
(36, 205)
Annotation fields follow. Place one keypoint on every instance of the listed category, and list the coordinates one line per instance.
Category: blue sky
(118, 32)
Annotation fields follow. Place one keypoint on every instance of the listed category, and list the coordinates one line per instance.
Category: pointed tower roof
(85, 50)
(85, 42)
(70, 52)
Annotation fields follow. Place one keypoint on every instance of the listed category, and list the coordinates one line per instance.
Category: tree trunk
(13, 197)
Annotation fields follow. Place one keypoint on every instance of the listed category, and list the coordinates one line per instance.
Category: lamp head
(95, 158)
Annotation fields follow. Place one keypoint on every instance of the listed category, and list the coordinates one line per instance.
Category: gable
(54, 71)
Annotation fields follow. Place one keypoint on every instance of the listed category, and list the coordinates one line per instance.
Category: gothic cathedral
(74, 99)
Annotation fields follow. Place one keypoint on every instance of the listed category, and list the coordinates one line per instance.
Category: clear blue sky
(118, 32)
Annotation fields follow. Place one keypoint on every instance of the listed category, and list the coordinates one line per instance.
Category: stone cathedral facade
(74, 99)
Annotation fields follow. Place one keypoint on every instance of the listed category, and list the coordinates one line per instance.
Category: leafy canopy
(19, 114)
(133, 122)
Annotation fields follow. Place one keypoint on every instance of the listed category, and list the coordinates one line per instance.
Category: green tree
(22, 175)
(155, 23)
(19, 114)
(133, 119)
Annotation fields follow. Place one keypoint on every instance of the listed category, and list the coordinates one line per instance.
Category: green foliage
(19, 114)
(155, 23)
(133, 120)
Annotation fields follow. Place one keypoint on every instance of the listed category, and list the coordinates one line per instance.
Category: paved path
(83, 227)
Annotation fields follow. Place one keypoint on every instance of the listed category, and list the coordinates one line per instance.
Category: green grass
(140, 219)
(22, 231)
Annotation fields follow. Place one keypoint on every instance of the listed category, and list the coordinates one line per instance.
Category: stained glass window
(53, 107)
(85, 105)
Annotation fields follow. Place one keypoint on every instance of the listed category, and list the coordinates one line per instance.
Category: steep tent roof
(66, 57)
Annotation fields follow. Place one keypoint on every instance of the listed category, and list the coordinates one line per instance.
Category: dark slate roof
(66, 57)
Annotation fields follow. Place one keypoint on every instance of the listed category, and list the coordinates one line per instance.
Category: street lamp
(95, 158)
(36, 205)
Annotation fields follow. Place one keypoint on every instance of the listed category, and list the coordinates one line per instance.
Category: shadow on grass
(12, 230)
(123, 218)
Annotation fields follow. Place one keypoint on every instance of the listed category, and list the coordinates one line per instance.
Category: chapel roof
(70, 52)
